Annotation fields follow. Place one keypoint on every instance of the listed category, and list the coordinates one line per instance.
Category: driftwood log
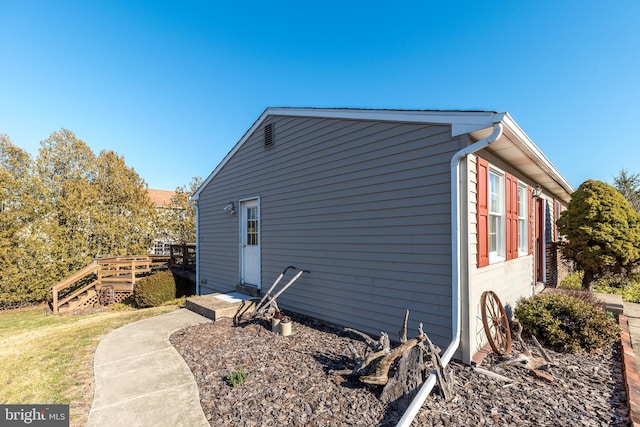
(493, 375)
(404, 384)
(444, 377)
(403, 331)
(401, 370)
(381, 373)
(518, 335)
(541, 349)
(536, 366)
(370, 341)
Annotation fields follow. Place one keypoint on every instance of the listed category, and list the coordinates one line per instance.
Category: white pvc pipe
(426, 388)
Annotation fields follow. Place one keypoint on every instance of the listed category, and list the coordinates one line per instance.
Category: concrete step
(216, 306)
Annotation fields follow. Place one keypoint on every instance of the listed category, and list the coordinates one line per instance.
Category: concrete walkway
(141, 380)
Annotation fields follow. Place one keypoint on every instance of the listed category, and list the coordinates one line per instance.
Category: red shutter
(511, 196)
(509, 211)
(482, 211)
(530, 216)
(514, 218)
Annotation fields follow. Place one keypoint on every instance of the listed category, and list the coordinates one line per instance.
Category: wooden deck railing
(122, 272)
(183, 257)
(85, 273)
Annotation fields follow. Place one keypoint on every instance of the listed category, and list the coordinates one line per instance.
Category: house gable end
(460, 122)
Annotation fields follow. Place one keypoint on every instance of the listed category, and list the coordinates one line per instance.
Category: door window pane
(252, 226)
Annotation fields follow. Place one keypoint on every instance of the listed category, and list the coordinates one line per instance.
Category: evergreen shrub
(565, 323)
(572, 281)
(602, 232)
(154, 290)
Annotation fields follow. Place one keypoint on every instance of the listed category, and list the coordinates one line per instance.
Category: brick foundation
(631, 376)
(557, 266)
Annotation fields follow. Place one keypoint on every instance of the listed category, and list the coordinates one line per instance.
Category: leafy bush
(627, 287)
(566, 323)
(158, 288)
(237, 377)
(572, 281)
(581, 294)
(629, 292)
(632, 293)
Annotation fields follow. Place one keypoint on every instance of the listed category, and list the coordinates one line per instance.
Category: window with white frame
(496, 216)
(161, 248)
(523, 216)
(503, 215)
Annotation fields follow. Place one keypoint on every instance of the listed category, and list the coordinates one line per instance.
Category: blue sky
(172, 86)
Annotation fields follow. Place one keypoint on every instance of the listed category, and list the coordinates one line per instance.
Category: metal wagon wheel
(496, 324)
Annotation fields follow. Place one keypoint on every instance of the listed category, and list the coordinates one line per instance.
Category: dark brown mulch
(290, 383)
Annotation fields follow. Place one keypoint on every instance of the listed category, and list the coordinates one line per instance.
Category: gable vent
(268, 135)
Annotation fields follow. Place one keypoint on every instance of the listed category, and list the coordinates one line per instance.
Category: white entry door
(250, 241)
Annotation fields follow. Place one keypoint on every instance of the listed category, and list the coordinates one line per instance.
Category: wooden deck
(111, 280)
(104, 281)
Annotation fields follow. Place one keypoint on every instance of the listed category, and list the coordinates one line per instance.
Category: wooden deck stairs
(105, 281)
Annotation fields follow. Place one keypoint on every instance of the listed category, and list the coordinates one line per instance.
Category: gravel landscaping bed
(289, 383)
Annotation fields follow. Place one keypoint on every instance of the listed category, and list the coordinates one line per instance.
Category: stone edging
(631, 376)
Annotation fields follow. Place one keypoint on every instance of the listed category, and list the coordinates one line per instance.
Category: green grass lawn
(48, 359)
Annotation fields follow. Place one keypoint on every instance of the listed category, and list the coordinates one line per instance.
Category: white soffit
(461, 121)
(518, 150)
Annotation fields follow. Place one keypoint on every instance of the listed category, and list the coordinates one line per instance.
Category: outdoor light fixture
(230, 208)
(537, 192)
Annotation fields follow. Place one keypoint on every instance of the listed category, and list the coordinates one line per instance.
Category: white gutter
(428, 385)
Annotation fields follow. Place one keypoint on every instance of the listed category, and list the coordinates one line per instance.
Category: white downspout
(426, 388)
(194, 203)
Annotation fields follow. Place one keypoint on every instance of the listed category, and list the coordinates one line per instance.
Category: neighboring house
(389, 210)
(161, 200)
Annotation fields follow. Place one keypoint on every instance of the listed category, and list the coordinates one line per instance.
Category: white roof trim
(461, 121)
(540, 158)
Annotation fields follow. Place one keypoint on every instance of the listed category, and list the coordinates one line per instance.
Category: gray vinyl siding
(363, 205)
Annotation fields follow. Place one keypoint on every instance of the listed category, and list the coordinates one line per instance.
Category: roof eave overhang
(461, 121)
(527, 158)
(516, 148)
